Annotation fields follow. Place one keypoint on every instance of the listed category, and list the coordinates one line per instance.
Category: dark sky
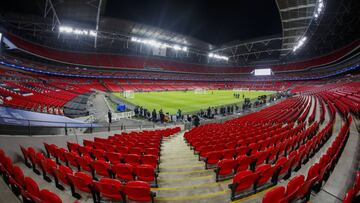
(216, 22)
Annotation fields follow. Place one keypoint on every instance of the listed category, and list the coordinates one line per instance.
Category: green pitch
(189, 101)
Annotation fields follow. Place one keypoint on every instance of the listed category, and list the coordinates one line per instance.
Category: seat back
(138, 191)
(245, 180)
(31, 186)
(62, 173)
(275, 195)
(49, 197)
(81, 181)
(110, 188)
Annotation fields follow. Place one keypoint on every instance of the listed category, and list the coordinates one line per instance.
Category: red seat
(136, 150)
(242, 150)
(146, 173)
(132, 159)
(260, 157)
(293, 187)
(304, 191)
(31, 186)
(17, 180)
(113, 157)
(349, 196)
(275, 195)
(62, 175)
(60, 153)
(49, 197)
(225, 167)
(102, 168)
(266, 172)
(25, 156)
(272, 154)
(98, 154)
(73, 147)
(82, 182)
(152, 151)
(228, 153)
(212, 158)
(243, 184)
(139, 191)
(149, 160)
(109, 188)
(71, 159)
(48, 167)
(357, 183)
(122, 149)
(243, 162)
(85, 163)
(124, 172)
(283, 165)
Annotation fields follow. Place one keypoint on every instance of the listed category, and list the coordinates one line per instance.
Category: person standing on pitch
(109, 116)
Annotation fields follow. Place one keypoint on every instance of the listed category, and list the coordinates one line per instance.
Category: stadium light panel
(262, 72)
(320, 7)
(217, 56)
(158, 44)
(77, 31)
(300, 43)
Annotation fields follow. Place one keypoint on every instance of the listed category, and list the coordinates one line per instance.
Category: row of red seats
(133, 185)
(352, 195)
(299, 188)
(293, 147)
(23, 186)
(124, 171)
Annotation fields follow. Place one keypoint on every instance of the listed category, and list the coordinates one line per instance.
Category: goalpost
(200, 91)
(129, 94)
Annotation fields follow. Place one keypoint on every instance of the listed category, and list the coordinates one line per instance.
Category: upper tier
(138, 62)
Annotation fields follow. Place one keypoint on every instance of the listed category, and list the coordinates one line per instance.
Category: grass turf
(171, 101)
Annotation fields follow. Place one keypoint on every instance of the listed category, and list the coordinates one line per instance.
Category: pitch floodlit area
(188, 101)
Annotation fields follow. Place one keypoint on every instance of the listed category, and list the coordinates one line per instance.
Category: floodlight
(300, 43)
(157, 44)
(77, 31)
(217, 56)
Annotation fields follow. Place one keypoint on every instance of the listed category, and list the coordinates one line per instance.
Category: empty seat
(243, 162)
(243, 184)
(293, 187)
(84, 163)
(102, 168)
(266, 173)
(62, 176)
(146, 173)
(109, 188)
(212, 158)
(225, 167)
(31, 187)
(83, 182)
(139, 191)
(149, 160)
(275, 195)
(228, 153)
(113, 157)
(124, 172)
(132, 159)
(49, 197)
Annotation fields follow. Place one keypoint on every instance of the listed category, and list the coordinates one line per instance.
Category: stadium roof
(247, 32)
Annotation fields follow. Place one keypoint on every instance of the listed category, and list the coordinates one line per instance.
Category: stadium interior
(180, 101)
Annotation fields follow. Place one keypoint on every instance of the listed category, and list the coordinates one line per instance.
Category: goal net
(129, 94)
(200, 91)
(240, 89)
